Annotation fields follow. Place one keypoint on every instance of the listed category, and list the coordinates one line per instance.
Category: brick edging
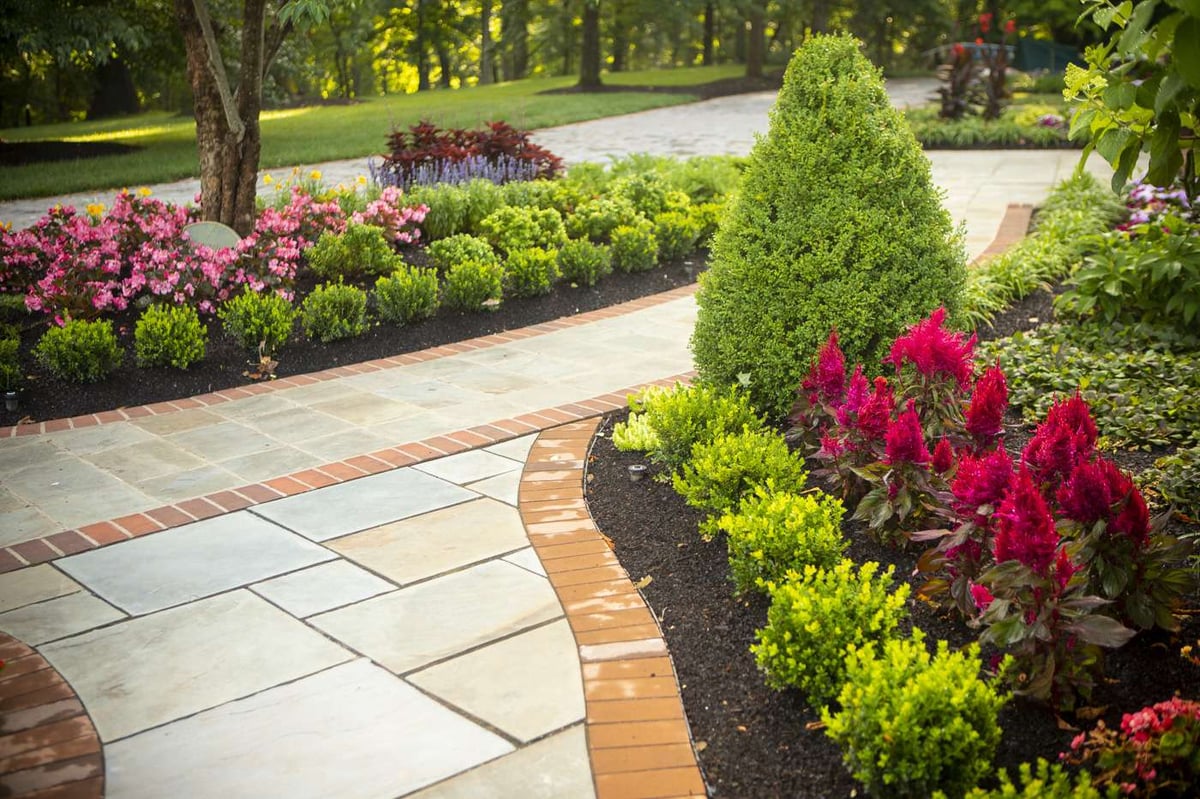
(1013, 227)
(99, 534)
(280, 384)
(49, 744)
(639, 742)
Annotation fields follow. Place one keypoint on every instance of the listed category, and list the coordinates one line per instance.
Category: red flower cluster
(985, 415)
(1025, 528)
(934, 351)
(826, 381)
(1065, 439)
(856, 397)
(875, 416)
(981, 480)
(1099, 491)
(905, 440)
(943, 456)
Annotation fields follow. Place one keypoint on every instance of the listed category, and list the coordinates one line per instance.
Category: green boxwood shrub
(447, 204)
(597, 219)
(1047, 781)
(80, 351)
(169, 336)
(10, 361)
(471, 284)
(409, 294)
(531, 272)
(511, 228)
(910, 724)
(773, 531)
(584, 263)
(677, 233)
(819, 616)
(707, 218)
(730, 466)
(634, 247)
(334, 311)
(837, 224)
(686, 415)
(635, 434)
(360, 251)
(259, 322)
(452, 250)
(645, 191)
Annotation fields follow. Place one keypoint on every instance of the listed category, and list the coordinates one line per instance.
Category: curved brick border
(1012, 229)
(48, 745)
(638, 737)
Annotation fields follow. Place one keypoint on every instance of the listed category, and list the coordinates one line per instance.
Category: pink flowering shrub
(399, 222)
(1157, 750)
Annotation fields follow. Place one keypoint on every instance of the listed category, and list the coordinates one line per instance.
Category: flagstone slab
(100, 437)
(352, 732)
(155, 669)
(527, 559)
(504, 487)
(359, 504)
(415, 626)
(34, 584)
(190, 562)
(188, 484)
(553, 768)
(224, 441)
(23, 523)
(321, 588)
(515, 448)
(467, 467)
(74, 492)
(433, 543)
(527, 685)
(58, 618)
(144, 461)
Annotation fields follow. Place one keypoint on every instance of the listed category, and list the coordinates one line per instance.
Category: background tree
(589, 50)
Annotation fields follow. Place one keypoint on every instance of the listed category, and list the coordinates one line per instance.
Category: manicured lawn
(324, 133)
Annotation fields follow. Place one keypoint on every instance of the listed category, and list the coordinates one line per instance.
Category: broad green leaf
(1135, 34)
(1186, 51)
(1119, 96)
(1101, 631)
(1112, 143)
(1168, 91)
(1165, 156)
(1191, 7)
(1126, 163)
(1082, 121)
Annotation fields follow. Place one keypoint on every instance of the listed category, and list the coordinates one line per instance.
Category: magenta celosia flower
(1099, 491)
(1064, 569)
(832, 445)
(826, 381)
(943, 456)
(1024, 527)
(1133, 520)
(1074, 414)
(875, 416)
(1065, 439)
(905, 440)
(981, 481)
(935, 351)
(982, 596)
(857, 394)
(985, 415)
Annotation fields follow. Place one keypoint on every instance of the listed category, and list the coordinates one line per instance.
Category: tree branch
(217, 67)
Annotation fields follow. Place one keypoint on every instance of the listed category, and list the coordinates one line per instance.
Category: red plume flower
(1066, 438)
(1064, 569)
(934, 351)
(876, 414)
(985, 22)
(856, 397)
(826, 380)
(1025, 529)
(1010, 27)
(905, 441)
(982, 596)
(1100, 491)
(982, 480)
(943, 456)
(985, 415)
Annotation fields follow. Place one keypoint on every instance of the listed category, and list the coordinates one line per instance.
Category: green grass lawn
(325, 133)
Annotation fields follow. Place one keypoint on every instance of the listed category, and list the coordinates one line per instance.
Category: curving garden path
(376, 581)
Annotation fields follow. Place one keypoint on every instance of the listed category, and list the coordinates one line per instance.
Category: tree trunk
(820, 12)
(114, 94)
(755, 47)
(421, 49)
(445, 63)
(568, 37)
(486, 75)
(589, 56)
(514, 33)
(710, 33)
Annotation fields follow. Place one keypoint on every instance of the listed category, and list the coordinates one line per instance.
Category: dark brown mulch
(705, 91)
(754, 742)
(45, 397)
(19, 153)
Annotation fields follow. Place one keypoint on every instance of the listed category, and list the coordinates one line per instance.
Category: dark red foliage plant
(425, 154)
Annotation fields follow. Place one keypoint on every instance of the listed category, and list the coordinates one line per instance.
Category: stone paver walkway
(326, 585)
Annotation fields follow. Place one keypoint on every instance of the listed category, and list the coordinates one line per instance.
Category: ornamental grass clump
(169, 336)
(910, 724)
(837, 224)
(772, 531)
(817, 617)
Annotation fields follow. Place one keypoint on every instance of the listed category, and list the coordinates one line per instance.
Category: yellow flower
(361, 180)
(314, 175)
(145, 191)
(268, 180)
(6, 225)
(95, 209)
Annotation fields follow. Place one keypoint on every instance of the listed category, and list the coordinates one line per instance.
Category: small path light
(636, 472)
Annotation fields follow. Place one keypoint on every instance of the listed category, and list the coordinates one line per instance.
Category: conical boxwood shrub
(837, 224)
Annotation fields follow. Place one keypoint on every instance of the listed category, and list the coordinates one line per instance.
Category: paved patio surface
(325, 586)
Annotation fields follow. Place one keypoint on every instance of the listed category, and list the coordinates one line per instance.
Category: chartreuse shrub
(645, 191)
(635, 247)
(10, 363)
(169, 335)
(458, 248)
(817, 617)
(447, 204)
(635, 434)
(837, 224)
(530, 272)
(584, 263)
(359, 251)
(597, 219)
(1047, 781)
(513, 228)
(686, 415)
(910, 724)
(470, 285)
(676, 233)
(773, 530)
(707, 218)
(730, 466)
(334, 311)
(407, 295)
(259, 322)
(80, 351)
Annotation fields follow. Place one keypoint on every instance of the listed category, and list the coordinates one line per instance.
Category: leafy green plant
(259, 322)
(687, 415)
(911, 724)
(407, 295)
(511, 228)
(730, 466)
(817, 617)
(80, 351)
(10, 363)
(635, 434)
(1176, 478)
(360, 251)
(169, 335)
(471, 285)
(531, 272)
(707, 218)
(584, 263)
(772, 531)
(334, 311)
(677, 233)
(597, 219)
(646, 192)
(447, 204)
(803, 248)
(634, 247)
(460, 247)
(1047, 781)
